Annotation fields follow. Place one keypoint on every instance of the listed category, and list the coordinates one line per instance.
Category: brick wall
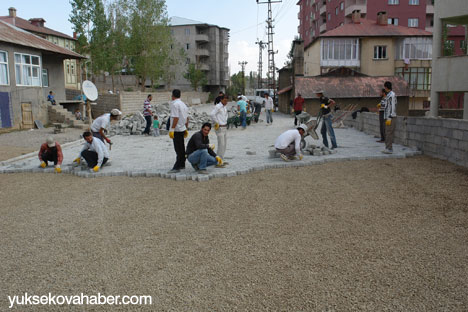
(438, 137)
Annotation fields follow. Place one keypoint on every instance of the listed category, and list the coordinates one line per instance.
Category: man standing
(381, 106)
(390, 117)
(100, 124)
(147, 113)
(219, 116)
(199, 151)
(51, 151)
(268, 108)
(298, 106)
(219, 98)
(178, 129)
(94, 152)
(242, 108)
(289, 143)
(325, 106)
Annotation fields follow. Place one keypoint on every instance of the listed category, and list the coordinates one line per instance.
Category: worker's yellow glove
(216, 126)
(171, 134)
(379, 105)
(292, 110)
(58, 169)
(388, 122)
(272, 110)
(304, 110)
(300, 156)
(212, 146)
(43, 164)
(77, 160)
(238, 113)
(220, 161)
(185, 134)
(322, 106)
(96, 168)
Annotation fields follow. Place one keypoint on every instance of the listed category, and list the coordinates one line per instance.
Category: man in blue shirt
(242, 108)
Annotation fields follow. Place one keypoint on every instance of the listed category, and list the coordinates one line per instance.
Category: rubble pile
(311, 149)
(134, 124)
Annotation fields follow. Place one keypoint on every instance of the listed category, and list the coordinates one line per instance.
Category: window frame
(418, 78)
(7, 69)
(411, 25)
(413, 2)
(45, 77)
(31, 67)
(381, 52)
(393, 2)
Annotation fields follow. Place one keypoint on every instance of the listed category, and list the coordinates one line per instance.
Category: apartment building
(204, 45)
(37, 27)
(319, 16)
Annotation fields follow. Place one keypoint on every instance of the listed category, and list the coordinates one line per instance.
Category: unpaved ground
(388, 235)
(18, 143)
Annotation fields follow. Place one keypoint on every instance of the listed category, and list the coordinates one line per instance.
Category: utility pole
(242, 64)
(261, 46)
(271, 52)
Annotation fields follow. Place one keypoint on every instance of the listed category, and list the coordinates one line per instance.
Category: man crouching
(199, 151)
(94, 152)
(289, 143)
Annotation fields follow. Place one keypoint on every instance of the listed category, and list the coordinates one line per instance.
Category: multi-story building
(319, 16)
(204, 45)
(36, 26)
(374, 48)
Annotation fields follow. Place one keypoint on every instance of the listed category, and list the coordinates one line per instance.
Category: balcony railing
(204, 67)
(202, 52)
(339, 63)
(429, 9)
(323, 9)
(201, 38)
(323, 28)
(361, 7)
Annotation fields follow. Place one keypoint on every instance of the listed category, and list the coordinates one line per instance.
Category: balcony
(201, 38)
(323, 28)
(430, 9)
(203, 67)
(323, 10)
(340, 63)
(202, 52)
(361, 7)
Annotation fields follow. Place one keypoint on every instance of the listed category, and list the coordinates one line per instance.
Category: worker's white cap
(303, 127)
(50, 142)
(116, 112)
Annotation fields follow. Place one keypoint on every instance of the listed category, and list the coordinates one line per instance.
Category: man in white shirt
(289, 143)
(219, 116)
(268, 108)
(178, 129)
(100, 124)
(94, 152)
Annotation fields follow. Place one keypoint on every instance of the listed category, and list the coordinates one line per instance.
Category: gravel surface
(375, 235)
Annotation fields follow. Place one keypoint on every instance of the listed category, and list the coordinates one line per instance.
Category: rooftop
(181, 21)
(26, 25)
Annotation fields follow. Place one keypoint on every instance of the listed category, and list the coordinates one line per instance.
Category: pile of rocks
(311, 149)
(134, 124)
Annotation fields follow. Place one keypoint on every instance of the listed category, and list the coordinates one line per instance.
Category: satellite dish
(90, 90)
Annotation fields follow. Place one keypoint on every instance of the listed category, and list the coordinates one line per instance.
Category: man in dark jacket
(200, 152)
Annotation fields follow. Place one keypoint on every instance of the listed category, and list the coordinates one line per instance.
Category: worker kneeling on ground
(289, 143)
(51, 151)
(94, 152)
(200, 152)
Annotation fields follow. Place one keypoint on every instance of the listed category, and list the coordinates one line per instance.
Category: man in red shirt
(298, 106)
(51, 151)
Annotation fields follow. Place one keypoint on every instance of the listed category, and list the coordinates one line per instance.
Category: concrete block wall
(437, 137)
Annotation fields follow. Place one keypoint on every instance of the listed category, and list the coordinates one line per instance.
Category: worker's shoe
(387, 151)
(195, 166)
(284, 157)
(173, 171)
(202, 171)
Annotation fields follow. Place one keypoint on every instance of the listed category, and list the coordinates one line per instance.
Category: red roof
(368, 28)
(15, 35)
(349, 86)
(26, 25)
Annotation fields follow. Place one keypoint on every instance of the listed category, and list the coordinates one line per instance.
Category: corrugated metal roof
(348, 87)
(26, 25)
(15, 35)
(369, 28)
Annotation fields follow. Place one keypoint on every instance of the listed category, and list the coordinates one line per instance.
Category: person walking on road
(242, 108)
(219, 116)
(390, 117)
(381, 107)
(147, 113)
(100, 124)
(289, 143)
(51, 151)
(200, 153)
(298, 106)
(268, 108)
(325, 106)
(178, 129)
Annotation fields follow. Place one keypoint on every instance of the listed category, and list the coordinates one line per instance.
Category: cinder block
(181, 177)
(453, 144)
(457, 134)
(203, 178)
(463, 145)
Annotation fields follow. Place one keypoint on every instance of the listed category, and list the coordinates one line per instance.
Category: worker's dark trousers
(148, 125)
(295, 116)
(179, 147)
(92, 158)
(382, 125)
(50, 155)
(98, 135)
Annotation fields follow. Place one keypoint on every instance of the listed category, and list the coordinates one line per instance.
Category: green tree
(236, 85)
(196, 77)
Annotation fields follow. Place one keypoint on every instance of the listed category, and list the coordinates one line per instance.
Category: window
(414, 48)
(340, 49)
(329, 16)
(393, 21)
(413, 2)
(187, 31)
(393, 2)
(342, 6)
(4, 68)
(336, 11)
(413, 22)
(188, 46)
(187, 61)
(45, 78)
(27, 70)
(380, 52)
(418, 78)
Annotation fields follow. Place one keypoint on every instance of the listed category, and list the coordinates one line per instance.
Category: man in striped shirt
(390, 117)
(147, 113)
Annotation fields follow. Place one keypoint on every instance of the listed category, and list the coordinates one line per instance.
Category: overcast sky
(244, 18)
